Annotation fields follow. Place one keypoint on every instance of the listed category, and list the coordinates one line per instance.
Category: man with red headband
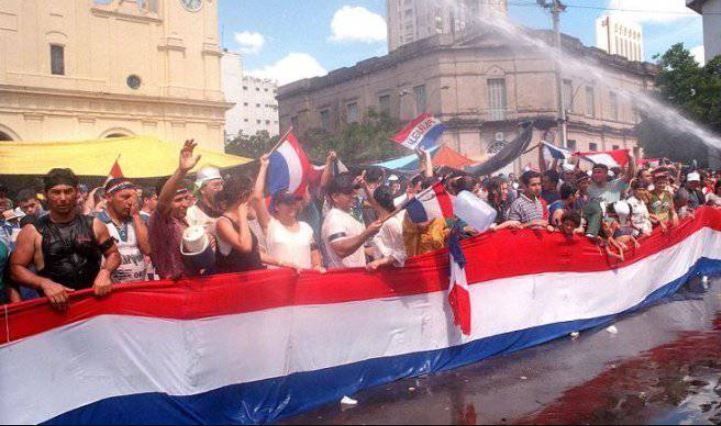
(122, 217)
(167, 224)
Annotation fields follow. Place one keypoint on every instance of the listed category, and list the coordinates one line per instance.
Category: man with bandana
(122, 217)
(167, 224)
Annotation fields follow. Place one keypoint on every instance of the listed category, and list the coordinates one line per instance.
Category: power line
(611, 9)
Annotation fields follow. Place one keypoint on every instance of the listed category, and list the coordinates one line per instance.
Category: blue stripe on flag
(431, 138)
(556, 153)
(417, 212)
(278, 174)
(454, 246)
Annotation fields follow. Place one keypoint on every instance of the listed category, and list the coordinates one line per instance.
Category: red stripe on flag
(460, 302)
(444, 200)
(403, 134)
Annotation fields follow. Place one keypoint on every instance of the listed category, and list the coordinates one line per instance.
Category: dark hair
(99, 195)
(58, 177)
(573, 216)
(184, 184)
(531, 174)
(465, 183)
(343, 183)
(637, 184)
(418, 179)
(235, 190)
(553, 176)
(3, 189)
(148, 193)
(493, 187)
(26, 195)
(567, 191)
(375, 175)
(428, 182)
(384, 196)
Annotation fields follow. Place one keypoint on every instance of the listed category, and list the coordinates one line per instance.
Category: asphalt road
(663, 366)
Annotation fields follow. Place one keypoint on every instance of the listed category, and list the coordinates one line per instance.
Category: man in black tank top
(67, 248)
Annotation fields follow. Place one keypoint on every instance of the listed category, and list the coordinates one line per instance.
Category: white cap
(195, 241)
(622, 208)
(694, 177)
(205, 175)
(393, 178)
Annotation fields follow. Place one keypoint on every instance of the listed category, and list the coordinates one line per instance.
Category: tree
(696, 92)
(251, 146)
(357, 143)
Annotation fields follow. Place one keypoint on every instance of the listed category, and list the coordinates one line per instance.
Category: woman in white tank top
(287, 239)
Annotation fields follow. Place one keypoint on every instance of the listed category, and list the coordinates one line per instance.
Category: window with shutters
(325, 119)
(613, 100)
(352, 112)
(590, 101)
(420, 92)
(497, 102)
(384, 104)
(57, 59)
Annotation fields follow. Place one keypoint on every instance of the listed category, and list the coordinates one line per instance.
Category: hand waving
(187, 160)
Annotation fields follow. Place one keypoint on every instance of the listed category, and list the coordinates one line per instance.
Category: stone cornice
(476, 41)
(114, 97)
(133, 17)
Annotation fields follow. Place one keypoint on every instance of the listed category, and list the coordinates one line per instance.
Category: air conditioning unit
(500, 137)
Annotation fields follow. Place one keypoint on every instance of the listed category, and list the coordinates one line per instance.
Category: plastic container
(474, 211)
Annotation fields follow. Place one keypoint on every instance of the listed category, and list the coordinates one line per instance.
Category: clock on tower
(192, 5)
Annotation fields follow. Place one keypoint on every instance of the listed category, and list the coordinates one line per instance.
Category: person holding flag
(344, 236)
(286, 237)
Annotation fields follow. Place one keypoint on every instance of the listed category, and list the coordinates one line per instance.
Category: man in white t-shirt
(344, 237)
(206, 211)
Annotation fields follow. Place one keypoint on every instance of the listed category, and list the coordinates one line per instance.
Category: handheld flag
(459, 295)
(115, 172)
(556, 153)
(430, 204)
(618, 158)
(423, 132)
(289, 168)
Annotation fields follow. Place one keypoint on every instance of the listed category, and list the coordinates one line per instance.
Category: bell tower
(191, 45)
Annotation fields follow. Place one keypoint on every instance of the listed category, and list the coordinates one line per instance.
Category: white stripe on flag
(295, 168)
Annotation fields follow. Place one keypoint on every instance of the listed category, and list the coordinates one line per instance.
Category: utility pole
(556, 8)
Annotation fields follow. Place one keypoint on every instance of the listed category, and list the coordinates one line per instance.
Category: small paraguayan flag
(555, 152)
(459, 294)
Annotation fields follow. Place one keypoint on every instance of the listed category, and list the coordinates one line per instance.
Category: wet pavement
(662, 367)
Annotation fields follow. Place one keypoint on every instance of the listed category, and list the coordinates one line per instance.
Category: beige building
(413, 20)
(481, 88)
(711, 11)
(256, 109)
(85, 69)
(620, 37)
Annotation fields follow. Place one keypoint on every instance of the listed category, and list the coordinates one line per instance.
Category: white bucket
(474, 211)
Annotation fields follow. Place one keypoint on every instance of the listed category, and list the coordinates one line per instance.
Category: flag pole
(281, 140)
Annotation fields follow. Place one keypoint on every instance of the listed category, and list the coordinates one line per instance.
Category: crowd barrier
(258, 347)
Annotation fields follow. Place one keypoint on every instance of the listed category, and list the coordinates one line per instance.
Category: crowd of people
(66, 238)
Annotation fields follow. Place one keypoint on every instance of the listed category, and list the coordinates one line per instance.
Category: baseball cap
(694, 177)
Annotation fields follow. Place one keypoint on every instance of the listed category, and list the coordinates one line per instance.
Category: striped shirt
(525, 210)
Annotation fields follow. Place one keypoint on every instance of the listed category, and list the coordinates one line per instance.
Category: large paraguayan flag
(423, 132)
(430, 204)
(459, 295)
(289, 168)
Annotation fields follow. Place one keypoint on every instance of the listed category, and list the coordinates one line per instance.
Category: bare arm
(241, 241)
(631, 170)
(427, 163)
(328, 171)
(20, 261)
(103, 282)
(347, 246)
(186, 164)
(261, 208)
(141, 230)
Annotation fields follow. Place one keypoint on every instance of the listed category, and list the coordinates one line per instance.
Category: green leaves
(696, 92)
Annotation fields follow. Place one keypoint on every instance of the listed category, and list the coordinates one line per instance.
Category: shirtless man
(66, 248)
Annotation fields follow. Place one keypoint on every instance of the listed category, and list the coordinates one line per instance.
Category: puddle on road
(678, 383)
